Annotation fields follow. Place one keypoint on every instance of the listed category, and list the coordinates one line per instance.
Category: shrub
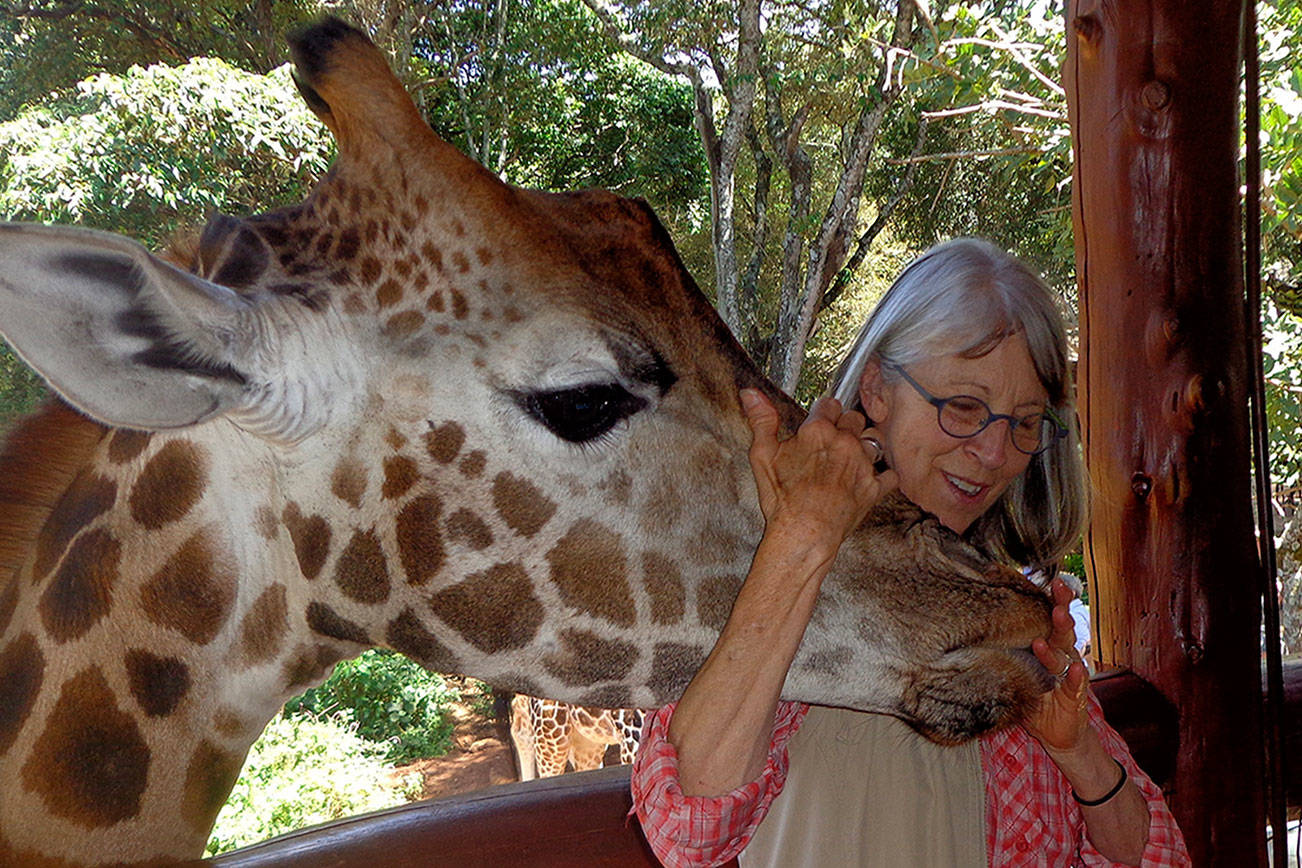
(304, 771)
(390, 700)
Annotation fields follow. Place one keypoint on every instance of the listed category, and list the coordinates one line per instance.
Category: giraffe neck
(144, 640)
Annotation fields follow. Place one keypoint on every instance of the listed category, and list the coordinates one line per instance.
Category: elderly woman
(961, 377)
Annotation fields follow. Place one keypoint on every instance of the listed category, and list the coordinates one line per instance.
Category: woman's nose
(991, 445)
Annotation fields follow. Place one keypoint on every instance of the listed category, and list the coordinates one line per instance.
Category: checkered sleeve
(1165, 845)
(703, 830)
(1032, 819)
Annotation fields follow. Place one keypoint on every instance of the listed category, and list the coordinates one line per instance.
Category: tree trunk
(1153, 89)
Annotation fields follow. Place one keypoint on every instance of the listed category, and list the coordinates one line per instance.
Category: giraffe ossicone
(492, 428)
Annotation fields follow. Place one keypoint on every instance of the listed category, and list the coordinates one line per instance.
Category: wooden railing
(582, 819)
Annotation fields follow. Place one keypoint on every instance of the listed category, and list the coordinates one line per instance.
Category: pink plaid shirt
(1031, 817)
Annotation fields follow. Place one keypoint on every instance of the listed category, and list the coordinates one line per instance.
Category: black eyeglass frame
(1058, 431)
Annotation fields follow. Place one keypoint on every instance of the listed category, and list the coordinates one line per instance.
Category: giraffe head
(495, 429)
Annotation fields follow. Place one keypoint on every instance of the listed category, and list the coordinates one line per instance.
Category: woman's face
(956, 479)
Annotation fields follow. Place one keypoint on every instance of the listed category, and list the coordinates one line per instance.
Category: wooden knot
(1141, 484)
(1155, 95)
(1087, 28)
(1193, 394)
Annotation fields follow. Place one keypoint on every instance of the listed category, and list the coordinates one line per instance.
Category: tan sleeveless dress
(865, 790)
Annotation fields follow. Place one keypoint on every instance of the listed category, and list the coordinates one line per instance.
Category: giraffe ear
(119, 333)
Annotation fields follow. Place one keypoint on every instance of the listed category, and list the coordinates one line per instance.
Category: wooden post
(1152, 89)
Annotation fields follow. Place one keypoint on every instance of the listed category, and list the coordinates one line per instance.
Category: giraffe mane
(38, 461)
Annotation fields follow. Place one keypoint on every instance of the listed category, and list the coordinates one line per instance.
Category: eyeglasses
(965, 416)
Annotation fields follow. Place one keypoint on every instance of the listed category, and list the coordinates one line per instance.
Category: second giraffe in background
(549, 735)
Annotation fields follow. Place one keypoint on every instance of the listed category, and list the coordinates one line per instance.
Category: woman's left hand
(1060, 723)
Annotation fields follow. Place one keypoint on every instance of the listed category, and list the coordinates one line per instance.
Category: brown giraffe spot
(664, 507)
(228, 722)
(493, 610)
(484, 255)
(664, 585)
(407, 634)
(349, 244)
(362, 571)
(618, 487)
(353, 303)
(311, 536)
(829, 662)
(81, 591)
(208, 781)
(370, 269)
(400, 474)
(586, 658)
(589, 567)
(672, 666)
(90, 764)
(192, 592)
(473, 464)
(328, 622)
(444, 442)
(610, 696)
(395, 438)
(348, 482)
(157, 683)
(88, 497)
(127, 444)
(266, 523)
(521, 504)
(714, 600)
(323, 243)
(420, 544)
(8, 602)
(403, 325)
(436, 303)
(170, 485)
(264, 627)
(404, 268)
(389, 293)
(309, 665)
(22, 669)
(469, 529)
(712, 544)
(432, 255)
(460, 263)
(459, 307)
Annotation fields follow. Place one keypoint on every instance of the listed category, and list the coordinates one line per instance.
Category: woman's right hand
(821, 482)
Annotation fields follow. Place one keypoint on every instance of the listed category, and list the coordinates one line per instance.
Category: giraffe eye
(582, 413)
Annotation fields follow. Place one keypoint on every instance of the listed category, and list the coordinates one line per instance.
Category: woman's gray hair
(962, 297)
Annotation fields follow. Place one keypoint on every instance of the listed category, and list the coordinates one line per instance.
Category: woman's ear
(872, 391)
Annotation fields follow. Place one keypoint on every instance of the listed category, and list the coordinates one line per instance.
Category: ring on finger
(876, 444)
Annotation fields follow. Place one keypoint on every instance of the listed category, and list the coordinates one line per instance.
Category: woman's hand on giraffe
(820, 482)
(1061, 723)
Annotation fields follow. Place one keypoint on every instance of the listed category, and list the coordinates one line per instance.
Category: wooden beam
(1152, 89)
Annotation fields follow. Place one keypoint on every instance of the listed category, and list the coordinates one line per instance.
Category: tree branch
(962, 155)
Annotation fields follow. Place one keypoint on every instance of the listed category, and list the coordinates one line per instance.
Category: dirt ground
(482, 757)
